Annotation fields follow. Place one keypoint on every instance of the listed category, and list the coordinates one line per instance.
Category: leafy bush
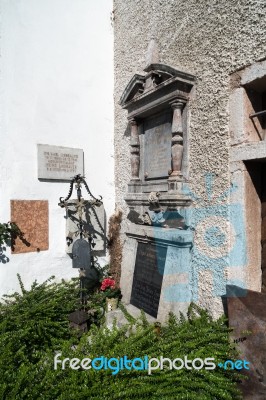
(33, 327)
(35, 320)
(8, 231)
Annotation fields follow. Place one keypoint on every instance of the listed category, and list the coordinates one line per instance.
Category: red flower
(108, 283)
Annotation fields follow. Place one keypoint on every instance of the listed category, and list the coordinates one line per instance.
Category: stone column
(177, 138)
(177, 146)
(134, 143)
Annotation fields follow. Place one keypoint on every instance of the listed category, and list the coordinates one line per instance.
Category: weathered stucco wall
(57, 89)
(210, 39)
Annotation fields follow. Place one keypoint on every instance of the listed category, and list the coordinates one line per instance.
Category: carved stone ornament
(154, 201)
(154, 215)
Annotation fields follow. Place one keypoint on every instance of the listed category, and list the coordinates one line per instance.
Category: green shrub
(34, 326)
(9, 231)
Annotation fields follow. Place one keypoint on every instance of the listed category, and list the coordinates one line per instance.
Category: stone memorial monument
(156, 260)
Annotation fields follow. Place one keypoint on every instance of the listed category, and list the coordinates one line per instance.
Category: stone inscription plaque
(157, 146)
(31, 216)
(148, 276)
(59, 163)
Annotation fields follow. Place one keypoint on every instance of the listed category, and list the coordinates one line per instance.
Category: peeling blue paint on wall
(220, 239)
(219, 230)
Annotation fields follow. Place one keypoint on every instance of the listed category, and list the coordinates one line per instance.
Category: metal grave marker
(81, 254)
(78, 212)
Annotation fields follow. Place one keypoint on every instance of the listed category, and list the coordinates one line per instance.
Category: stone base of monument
(247, 316)
(156, 274)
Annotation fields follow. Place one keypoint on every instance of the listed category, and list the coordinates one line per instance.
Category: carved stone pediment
(133, 89)
(158, 76)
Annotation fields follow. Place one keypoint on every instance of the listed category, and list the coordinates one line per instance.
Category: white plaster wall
(56, 88)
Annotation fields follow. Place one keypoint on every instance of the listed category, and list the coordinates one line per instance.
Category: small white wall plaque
(59, 163)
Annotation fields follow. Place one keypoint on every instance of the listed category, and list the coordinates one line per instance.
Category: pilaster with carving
(134, 151)
(177, 147)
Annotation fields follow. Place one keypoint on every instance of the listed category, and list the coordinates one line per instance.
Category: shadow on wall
(9, 233)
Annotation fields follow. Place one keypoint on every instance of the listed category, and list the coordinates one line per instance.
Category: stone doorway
(256, 201)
